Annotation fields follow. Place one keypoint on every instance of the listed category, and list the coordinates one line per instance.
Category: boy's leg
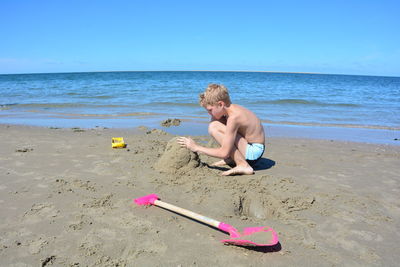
(217, 130)
(224, 162)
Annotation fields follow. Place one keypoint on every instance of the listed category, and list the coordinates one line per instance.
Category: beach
(67, 200)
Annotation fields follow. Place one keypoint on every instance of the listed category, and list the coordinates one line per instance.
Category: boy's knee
(213, 127)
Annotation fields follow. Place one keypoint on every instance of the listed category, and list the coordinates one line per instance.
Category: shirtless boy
(238, 131)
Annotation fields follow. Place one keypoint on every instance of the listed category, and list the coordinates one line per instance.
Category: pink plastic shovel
(251, 236)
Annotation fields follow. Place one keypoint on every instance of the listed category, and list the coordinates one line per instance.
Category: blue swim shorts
(254, 152)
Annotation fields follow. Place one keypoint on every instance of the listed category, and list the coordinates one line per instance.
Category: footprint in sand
(102, 168)
(367, 235)
(98, 241)
(76, 185)
(104, 202)
(40, 211)
(80, 222)
(35, 246)
(129, 221)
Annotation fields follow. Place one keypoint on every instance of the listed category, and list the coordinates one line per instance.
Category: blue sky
(346, 37)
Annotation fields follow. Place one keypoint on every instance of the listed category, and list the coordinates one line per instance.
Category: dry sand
(66, 200)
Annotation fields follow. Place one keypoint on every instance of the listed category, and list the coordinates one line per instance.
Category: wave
(110, 116)
(79, 95)
(96, 96)
(57, 105)
(294, 101)
(171, 104)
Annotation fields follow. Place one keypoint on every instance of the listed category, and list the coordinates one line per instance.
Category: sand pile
(278, 198)
(177, 159)
(171, 122)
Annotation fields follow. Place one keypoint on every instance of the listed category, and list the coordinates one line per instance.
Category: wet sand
(66, 200)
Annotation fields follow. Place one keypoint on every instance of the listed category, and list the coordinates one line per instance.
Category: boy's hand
(188, 142)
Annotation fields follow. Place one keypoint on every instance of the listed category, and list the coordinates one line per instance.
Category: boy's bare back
(249, 125)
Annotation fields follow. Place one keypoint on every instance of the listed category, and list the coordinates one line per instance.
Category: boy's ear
(221, 103)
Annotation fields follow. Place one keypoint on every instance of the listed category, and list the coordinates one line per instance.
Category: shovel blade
(254, 237)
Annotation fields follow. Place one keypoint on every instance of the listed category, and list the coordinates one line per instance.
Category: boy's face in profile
(217, 110)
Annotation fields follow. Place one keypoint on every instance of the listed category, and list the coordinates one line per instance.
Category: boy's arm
(226, 147)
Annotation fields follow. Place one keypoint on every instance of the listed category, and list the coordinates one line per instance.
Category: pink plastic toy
(251, 236)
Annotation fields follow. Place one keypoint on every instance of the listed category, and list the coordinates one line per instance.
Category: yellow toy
(118, 142)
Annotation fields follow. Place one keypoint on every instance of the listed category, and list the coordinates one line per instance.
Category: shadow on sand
(262, 164)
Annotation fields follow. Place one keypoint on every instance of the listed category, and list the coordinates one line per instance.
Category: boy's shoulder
(237, 113)
(238, 109)
(242, 114)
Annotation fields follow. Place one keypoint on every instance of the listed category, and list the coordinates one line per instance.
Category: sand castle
(177, 159)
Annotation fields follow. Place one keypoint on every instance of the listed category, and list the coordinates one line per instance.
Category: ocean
(128, 99)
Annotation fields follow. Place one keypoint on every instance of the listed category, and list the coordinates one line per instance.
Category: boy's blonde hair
(213, 94)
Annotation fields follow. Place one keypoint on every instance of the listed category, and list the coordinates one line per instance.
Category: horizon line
(249, 71)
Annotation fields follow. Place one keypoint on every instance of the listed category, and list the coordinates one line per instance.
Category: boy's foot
(223, 163)
(239, 170)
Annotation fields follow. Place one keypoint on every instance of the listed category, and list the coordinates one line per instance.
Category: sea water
(125, 99)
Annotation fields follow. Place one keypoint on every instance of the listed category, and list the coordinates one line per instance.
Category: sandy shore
(66, 200)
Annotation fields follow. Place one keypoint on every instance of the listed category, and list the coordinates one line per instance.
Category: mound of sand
(171, 122)
(177, 159)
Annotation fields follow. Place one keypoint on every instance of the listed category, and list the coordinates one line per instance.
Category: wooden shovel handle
(188, 213)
